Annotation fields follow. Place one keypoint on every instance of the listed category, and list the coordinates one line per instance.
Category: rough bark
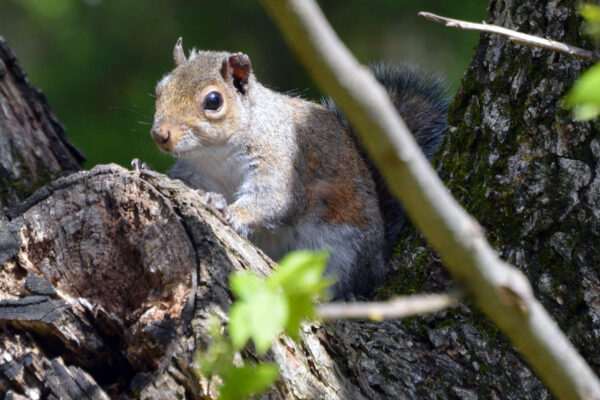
(99, 269)
(33, 147)
(531, 172)
(520, 165)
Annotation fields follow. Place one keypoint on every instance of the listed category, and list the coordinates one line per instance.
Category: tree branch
(501, 290)
(517, 37)
(399, 307)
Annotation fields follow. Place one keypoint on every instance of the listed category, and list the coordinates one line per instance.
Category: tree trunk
(109, 276)
(520, 165)
(33, 147)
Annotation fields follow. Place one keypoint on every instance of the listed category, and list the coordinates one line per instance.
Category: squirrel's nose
(162, 135)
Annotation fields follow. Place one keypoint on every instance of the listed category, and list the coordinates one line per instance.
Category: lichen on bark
(519, 164)
(531, 171)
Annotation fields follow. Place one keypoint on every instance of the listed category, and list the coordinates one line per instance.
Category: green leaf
(262, 317)
(590, 12)
(240, 323)
(214, 326)
(247, 381)
(586, 88)
(302, 306)
(244, 284)
(216, 359)
(269, 314)
(300, 272)
(586, 112)
(584, 96)
(279, 304)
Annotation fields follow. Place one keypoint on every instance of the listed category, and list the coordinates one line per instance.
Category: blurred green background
(97, 61)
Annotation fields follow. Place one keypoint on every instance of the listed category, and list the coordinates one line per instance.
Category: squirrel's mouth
(183, 153)
(190, 146)
(184, 141)
(176, 140)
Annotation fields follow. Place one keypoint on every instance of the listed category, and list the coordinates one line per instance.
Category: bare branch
(517, 37)
(501, 290)
(399, 307)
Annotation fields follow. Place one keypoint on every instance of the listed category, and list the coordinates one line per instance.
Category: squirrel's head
(202, 102)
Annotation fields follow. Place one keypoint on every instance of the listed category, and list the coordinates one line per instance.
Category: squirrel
(291, 171)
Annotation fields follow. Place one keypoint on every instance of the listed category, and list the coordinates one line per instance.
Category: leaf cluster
(584, 96)
(265, 308)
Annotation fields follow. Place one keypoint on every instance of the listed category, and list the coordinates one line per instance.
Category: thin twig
(502, 291)
(399, 307)
(517, 37)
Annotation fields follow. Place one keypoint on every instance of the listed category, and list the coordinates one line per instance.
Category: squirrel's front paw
(233, 215)
(238, 218)
(218, 202)
(138, 165)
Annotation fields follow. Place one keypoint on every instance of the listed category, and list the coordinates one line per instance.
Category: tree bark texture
(33, 147)
(109, 277)
(520, 165)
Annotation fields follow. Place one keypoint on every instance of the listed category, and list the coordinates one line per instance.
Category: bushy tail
(422, 102)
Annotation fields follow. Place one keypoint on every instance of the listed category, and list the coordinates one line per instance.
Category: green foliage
(97, 61)
(591, 13)
(300, 278)
(265, 308)
(268, 307)
(584, 96)
(245, 381)
(261, 316)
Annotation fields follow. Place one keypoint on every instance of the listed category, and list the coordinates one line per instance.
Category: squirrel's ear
(237, 68)
(178, 54)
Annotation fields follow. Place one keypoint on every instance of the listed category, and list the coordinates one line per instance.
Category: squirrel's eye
(213, 101)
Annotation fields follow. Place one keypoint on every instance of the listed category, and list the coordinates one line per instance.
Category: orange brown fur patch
(344, 203)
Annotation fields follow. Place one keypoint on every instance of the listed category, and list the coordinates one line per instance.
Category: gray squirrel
(291, 171)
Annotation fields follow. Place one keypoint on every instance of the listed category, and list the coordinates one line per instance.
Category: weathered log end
(102, 261)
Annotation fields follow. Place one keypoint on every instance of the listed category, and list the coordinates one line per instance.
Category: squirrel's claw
(218, 203)
(138, 165)
(228, 214)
